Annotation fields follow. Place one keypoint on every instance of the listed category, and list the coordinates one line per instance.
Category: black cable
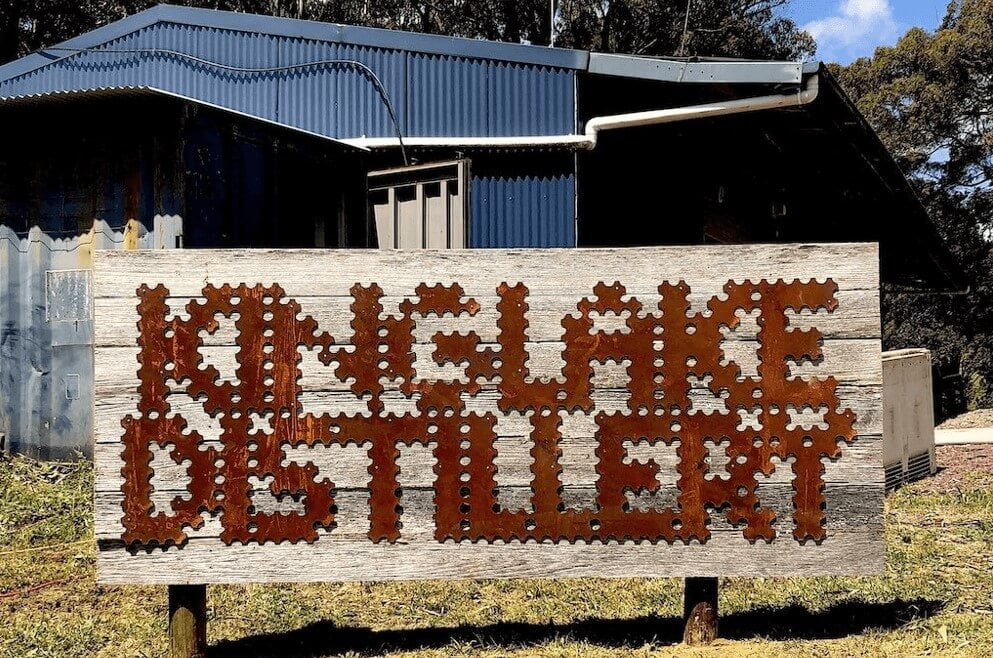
(380, 88)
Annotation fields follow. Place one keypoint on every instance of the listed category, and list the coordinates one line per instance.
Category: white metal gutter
(691, 71)
(588, 140)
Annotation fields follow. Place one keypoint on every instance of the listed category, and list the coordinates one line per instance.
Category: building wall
(63, 165)
(249, 184)
(523, 200)
(70, 179)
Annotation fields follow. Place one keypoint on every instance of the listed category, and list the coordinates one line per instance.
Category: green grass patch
(936, 597)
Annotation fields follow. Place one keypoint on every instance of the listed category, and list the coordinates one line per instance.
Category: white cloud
(854, 30)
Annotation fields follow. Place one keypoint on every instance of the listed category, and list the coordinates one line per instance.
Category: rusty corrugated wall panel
(46, 335)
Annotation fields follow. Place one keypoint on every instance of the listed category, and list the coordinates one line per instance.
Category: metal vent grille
(919, 467)
(894, 476)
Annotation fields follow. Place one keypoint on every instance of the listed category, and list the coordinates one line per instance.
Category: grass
(936, 597)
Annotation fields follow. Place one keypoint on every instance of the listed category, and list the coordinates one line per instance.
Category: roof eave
(112, 92)
(886, 167)
(89, 39)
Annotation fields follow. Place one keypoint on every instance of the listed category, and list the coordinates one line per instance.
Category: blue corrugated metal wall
(454, 96)
(524, 211)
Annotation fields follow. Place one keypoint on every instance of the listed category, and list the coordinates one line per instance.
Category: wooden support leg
(700, 611)
(187, 621)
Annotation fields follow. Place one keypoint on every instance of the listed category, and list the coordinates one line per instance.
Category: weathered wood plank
(208, 561)
(847, 360)
(557, 279)
(116, 405)
(853, 266)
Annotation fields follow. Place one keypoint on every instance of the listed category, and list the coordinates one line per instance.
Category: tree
(930, 98)
(742, 28)
(26, 25)
(720, 28)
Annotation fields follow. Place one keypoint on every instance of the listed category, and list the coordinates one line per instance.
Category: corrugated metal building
(196, 128)
(438, 86)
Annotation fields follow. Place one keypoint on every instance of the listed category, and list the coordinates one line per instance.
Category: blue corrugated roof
(330, 80)
(313, 30)
(339, 81)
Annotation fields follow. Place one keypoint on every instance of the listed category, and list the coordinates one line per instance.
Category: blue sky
(848, 29)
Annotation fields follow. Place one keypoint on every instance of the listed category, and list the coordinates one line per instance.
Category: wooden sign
(376, 415)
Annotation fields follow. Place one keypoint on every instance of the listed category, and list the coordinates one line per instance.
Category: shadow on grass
(786, 623)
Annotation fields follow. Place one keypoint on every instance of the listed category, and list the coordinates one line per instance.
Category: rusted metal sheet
(666, 338)
(46, 335)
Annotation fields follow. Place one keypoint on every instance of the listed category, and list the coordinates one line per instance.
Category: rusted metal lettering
(665, 350)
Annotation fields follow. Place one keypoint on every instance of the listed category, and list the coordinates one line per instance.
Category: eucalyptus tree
(930, 98)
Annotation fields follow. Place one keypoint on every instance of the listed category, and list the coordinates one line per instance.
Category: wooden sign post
(383, 415)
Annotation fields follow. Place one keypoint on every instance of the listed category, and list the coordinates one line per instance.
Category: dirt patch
(960, 467)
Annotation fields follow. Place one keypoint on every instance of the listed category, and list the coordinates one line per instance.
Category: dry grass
(936, 597)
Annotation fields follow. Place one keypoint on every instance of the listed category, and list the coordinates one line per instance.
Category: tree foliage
(726, 28)
(742, 28)
(930, 98)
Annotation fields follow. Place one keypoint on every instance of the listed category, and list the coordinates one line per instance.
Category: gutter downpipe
(588, 141)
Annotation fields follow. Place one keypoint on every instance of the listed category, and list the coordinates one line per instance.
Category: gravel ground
(970, 419)
(960, 464)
